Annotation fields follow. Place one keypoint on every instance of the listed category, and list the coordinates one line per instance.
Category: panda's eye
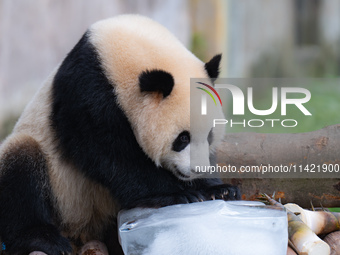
(182, 140)
(185, 139)
(210, 137)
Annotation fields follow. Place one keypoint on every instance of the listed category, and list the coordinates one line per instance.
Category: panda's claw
(191, 197)
(224, 191)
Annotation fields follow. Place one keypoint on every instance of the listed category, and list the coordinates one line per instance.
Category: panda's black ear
(213, 66)
(156, 81)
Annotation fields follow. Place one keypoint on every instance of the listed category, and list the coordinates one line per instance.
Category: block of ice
(212, 227)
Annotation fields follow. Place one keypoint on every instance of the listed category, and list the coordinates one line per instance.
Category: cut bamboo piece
(319, 222)
(333, 240)
(301, 237)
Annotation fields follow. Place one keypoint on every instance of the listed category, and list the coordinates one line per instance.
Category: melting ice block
(212, 227)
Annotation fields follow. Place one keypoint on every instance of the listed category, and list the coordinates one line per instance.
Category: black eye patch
(182, 140)
(210, 137)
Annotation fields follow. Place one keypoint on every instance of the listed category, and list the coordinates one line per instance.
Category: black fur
(156, 81)
(213, 66)
(26, 212)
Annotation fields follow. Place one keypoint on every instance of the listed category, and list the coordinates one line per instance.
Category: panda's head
(151, 72)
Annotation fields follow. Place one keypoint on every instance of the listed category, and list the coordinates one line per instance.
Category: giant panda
(108, 130)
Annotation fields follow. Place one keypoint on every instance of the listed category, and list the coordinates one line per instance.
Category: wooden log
(304, 192)
(318, 147)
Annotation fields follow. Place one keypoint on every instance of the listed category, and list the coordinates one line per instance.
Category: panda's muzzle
(181, 175)
(184, 177)
(195, 172)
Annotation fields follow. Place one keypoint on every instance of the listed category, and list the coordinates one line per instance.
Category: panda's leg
(161, 200)
(190, 195)
(26, 211)
(198, 191)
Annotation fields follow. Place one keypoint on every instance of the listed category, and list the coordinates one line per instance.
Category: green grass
(334, 209)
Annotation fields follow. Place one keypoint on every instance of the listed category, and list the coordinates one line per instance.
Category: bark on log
(318, 147)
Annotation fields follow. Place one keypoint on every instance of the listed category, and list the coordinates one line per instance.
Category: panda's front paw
(45, 238)
(224, 191)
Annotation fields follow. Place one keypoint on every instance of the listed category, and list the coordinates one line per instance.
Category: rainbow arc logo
(204, 98)
(209, 93)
